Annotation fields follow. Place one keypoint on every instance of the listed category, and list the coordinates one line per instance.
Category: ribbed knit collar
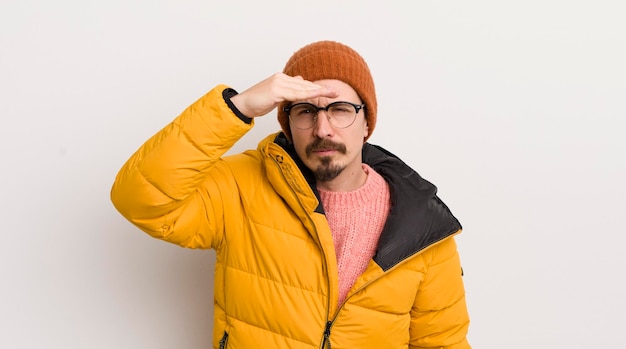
(361, 196)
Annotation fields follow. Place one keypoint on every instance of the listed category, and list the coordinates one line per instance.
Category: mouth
(324, 152)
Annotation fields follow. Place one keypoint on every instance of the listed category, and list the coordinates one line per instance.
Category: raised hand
(263, 97)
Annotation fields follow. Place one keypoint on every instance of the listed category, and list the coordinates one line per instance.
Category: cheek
(300, 145)
(301, 152)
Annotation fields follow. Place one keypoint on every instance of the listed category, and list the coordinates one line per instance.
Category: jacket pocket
(224, 341)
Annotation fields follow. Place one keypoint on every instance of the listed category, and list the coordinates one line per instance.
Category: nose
(322, 127)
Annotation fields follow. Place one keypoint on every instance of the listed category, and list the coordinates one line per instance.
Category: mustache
(324, 144)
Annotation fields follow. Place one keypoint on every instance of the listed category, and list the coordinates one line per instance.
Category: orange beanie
(332, 60)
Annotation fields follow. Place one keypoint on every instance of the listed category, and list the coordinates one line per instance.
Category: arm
(176, 186)
(164, 188)
(439, 317)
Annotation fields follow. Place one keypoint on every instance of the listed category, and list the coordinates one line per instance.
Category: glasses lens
(342, 114)
(302, 115)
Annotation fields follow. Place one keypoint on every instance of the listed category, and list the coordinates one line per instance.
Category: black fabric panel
(417, 219)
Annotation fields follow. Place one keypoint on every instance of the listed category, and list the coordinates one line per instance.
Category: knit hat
(332, 60)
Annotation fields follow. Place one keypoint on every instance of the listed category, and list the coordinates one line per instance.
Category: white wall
(515, 110)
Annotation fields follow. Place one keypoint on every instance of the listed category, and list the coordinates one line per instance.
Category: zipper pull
(327, 334)
(224, 340)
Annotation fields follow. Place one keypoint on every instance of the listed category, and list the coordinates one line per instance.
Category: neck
(348, 180)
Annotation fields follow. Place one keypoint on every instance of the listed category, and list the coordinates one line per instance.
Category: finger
(297, 88)
(300, 92)
(322, 91)
(328, 91)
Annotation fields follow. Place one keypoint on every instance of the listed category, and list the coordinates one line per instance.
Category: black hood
(417, 218)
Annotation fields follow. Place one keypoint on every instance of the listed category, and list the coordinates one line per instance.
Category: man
(322, 240)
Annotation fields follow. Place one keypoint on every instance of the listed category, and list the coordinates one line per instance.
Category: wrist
(229, 94)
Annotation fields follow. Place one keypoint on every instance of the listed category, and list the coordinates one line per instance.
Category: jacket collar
(418, 218)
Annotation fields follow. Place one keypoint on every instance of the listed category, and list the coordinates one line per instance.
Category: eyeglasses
(340, 114)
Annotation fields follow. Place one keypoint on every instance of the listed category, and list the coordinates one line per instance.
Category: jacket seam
(263, 328)
(189, 139)
(444, 308)
(430, 265)
(447, 346)
(379, 311)
(281, 231)
(275, 281)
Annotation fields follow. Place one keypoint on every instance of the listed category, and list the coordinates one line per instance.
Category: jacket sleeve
(171, 186)
(439, 317)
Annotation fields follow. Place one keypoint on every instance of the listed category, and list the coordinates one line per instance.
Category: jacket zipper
(329, 324)
(326, 339)
(224, 340)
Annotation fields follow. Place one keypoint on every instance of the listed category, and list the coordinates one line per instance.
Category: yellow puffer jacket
(276, 272)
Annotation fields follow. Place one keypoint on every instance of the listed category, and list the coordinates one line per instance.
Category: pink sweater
(356, 220)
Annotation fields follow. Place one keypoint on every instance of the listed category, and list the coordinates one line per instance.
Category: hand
(263, 97)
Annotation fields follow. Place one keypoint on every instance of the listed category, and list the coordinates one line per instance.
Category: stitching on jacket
(190, 140)
(275, 281)
(282, 231)
(264, 329)
(380, 311)
(444, 308)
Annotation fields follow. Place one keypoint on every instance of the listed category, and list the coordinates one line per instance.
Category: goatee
(326, 171)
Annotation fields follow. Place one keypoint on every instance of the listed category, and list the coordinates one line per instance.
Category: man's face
(325, 149)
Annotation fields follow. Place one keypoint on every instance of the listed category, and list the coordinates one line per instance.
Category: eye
(303, 110)
(342, 108)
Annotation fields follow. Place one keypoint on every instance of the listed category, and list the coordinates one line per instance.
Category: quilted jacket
(276, 273)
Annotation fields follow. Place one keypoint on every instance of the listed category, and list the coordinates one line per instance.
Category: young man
(322, 240)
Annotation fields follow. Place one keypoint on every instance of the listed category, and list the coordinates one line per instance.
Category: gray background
(514, 109)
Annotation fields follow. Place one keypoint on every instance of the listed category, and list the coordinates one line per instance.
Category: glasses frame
(357, 108)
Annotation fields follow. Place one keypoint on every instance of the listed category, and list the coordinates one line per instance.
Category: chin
(327, 171)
